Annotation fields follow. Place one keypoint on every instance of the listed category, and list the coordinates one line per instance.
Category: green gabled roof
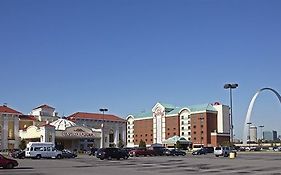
(175, 111)
(142, 115)
(166, 105)
(202, 107)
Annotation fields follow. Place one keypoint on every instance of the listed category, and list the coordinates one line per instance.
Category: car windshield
(218, 148)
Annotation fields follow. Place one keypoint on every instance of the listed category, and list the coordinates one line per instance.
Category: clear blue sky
(127, 55)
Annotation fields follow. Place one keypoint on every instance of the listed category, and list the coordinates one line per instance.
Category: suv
(222, 151)
(109, 153)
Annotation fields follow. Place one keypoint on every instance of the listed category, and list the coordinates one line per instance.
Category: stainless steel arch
(249, 112)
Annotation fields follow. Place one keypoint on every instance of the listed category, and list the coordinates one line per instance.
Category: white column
(124, 138)
(16, 131)
(116, 134)
(5, 133)
(102, 136)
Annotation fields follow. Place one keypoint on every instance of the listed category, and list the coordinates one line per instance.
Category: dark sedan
(7, 163)
(68, 154)
(175, 152)
(20, 154)
(110, 153)
(199, 152)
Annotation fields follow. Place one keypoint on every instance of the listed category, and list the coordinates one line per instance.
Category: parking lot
(244, 163)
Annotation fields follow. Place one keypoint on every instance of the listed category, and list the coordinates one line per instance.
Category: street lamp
(102, 126)
(230, 87)
(249, 134)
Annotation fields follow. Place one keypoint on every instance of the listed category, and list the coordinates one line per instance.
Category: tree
(142, 144)
(120, 143)
(22, 144)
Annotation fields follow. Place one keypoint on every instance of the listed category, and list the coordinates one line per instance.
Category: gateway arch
(249, 113)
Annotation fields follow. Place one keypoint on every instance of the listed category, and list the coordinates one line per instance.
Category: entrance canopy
(173, 140)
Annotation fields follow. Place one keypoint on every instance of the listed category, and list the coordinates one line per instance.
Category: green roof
(202, 107)
(172, 110)
(174, 139)
(143, 115)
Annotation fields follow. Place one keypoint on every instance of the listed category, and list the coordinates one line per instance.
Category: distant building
(114, 127)
(270, 136)
(253, 134)
(45, 113)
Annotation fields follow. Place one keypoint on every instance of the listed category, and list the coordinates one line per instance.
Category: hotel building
(206, 124)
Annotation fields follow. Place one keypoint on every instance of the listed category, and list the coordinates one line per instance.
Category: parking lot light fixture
(102, 127)
(230, 87)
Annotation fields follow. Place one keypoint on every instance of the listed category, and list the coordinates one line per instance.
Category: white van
(42, 149)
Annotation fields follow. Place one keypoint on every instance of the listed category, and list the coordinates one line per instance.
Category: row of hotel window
(202, 138)
(169, 128)
(189, 133)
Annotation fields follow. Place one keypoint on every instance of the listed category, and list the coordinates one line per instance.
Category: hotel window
(128, 136)
(188, 127)
(194, 138)
(194, 126)
(182, 128)
(182, 117)
(188, 117)
(175, 133)
(182, 133)
(174, 128)
(202, 132)
(145, 134)
(129, 140)
(194, 132)
(168, 133)
(150, 139)
(168, 129)
(189, 133)
(182, 122)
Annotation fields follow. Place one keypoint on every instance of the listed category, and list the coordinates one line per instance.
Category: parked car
(7, 163)
(174, 152)
(68, 154)
(222, 151)
(109, 153)
(20, 154)
(200, 151)
(141, 152)
(209, 149)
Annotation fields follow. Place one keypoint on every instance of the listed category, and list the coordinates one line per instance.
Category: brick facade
(143, 131)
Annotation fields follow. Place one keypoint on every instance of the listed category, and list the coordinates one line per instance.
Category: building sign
(78, 132)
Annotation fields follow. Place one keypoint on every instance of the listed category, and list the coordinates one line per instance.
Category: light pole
(201, 124)
(230, 87)
(102, 126)
(249, 134)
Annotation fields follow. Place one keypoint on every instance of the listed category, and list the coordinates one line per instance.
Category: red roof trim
(5, 109)
(28, 117)
(43, 106)
(84, 115)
